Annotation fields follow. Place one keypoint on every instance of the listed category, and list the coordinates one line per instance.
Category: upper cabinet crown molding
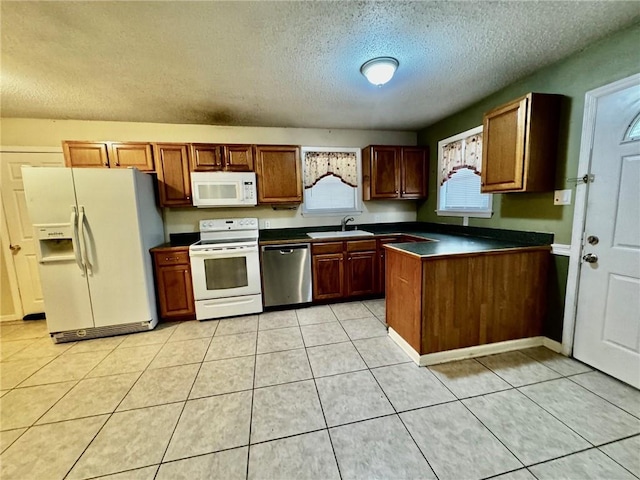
(394, 172)
(520, 143)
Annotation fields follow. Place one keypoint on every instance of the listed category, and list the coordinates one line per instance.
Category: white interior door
(20, 232)
(607, 334)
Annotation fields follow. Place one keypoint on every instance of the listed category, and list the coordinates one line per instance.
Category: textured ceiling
(285, 64)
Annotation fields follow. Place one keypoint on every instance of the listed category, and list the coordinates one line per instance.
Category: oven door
(221, 272)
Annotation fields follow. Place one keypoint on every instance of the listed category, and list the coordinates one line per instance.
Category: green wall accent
(606, 61)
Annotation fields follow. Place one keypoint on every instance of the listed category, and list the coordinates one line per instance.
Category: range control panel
(220, 225)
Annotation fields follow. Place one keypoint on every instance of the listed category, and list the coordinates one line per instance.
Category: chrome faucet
(344, 222)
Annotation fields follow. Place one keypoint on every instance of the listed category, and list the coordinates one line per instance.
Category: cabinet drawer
(361, 245)
(328, 247)
(169, 257)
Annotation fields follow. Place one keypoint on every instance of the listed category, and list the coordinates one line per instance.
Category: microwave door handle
(74, 239)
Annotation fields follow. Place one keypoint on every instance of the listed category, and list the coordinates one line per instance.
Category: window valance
(464, 153)
(318, 165)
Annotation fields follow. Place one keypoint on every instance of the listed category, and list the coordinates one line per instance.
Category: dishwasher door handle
(288, 251)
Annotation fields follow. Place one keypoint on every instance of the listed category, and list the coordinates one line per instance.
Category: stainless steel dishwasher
(286, 274)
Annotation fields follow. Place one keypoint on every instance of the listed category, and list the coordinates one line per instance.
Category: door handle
(15, 248)
(590, 258)
(83, 242)
(74, 239)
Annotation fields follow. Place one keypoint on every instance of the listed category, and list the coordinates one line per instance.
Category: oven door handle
(235, 252)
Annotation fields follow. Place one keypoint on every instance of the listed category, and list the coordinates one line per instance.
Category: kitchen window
(331, 178)
(459, 167)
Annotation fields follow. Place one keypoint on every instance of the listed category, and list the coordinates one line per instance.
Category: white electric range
(225, 268)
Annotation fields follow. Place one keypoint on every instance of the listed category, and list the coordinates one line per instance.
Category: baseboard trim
(552, 345)
(8, 318)
(561, 249)
(471, 352)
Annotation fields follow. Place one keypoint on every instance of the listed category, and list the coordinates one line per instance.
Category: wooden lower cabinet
(173, 283)
(444, 303)
(328, 276)
(362, 265)
(344, 269)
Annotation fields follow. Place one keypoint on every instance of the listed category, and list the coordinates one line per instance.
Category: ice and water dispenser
(55, 243)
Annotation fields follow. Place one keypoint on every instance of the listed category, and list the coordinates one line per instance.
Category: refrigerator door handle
(83, 242)
(74, 239)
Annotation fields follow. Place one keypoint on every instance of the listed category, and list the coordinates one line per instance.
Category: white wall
(39, 132)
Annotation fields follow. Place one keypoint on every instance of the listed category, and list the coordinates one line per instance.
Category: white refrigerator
(93, 230)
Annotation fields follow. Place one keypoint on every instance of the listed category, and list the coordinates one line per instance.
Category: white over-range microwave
(223, 189)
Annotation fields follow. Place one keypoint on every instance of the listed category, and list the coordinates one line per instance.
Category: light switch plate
(267, 224)
(562, 197)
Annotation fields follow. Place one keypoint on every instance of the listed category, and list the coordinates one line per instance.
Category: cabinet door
(138, 155)
(361, 273)
(174, 183)
(175, 293)
(385, 178)
(85, 154)
(414, 168)
(238, 158)
(503, 147)
(328, 276)
(278, 174)
(206, 157)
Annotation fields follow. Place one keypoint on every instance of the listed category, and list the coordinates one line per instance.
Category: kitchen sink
(340, 233)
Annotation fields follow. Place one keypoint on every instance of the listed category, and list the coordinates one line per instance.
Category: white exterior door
(20, 232)
(607, 334)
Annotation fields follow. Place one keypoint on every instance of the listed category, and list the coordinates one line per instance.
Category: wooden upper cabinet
(85, 154)
(414, 171)
(130, 154)
(174, 182)
(520, 143)
(394, 172)
(385, 181)
(206, 157)
(238, 158)
(278, 174)
(109, 155)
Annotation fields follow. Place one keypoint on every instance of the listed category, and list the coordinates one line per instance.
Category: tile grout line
(110, 415)
(393, 406)
(562, 421)
(253, 391)
(184, 403)
(315, 384)
(600, 396)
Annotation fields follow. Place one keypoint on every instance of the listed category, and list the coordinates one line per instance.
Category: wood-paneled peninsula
(446, 296)
(458, 294)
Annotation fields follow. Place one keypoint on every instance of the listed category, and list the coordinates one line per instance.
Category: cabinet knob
(106, 164)
(117, 164)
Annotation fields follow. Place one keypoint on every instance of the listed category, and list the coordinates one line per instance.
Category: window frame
(488, 213)
(358, 208)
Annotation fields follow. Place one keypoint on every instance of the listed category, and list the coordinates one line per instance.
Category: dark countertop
(444, 245)
(440, 239)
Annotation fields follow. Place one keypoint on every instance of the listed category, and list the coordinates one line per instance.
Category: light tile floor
(319, 392)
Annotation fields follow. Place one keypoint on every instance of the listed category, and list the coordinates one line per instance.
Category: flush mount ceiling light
(379, 70)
